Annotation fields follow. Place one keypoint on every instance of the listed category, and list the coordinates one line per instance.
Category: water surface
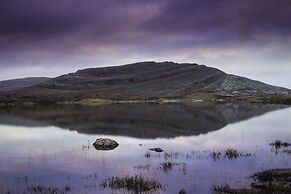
(47, 146)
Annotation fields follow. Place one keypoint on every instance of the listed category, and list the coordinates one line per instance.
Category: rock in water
(182, 192)
(157, 149)
(105, 144)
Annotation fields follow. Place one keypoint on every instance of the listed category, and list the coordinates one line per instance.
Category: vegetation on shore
(205, 98)
(278, 100)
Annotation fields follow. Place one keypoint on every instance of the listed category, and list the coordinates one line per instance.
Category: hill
(147, 81)
(16, 84)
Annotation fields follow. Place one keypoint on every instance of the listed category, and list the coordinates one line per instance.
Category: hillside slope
(144, 80)
(16, 84)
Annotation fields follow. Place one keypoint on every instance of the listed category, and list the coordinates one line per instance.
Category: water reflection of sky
(51, 156)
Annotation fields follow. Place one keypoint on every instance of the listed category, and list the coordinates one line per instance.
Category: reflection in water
(136, 120)
(35, 150)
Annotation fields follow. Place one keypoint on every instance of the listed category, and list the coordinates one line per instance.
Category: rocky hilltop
(147, 81)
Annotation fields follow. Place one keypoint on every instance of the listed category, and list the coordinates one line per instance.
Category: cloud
(118, 22)
(77, 33)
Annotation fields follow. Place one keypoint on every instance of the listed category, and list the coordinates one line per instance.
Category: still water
(51, 147)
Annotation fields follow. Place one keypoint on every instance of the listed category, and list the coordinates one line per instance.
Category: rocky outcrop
(233, 85)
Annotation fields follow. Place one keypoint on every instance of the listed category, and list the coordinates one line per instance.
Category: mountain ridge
(147, 81)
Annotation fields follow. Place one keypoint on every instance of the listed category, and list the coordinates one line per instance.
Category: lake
(46, 148)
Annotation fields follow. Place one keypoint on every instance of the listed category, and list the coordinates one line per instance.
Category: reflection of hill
(137, 120)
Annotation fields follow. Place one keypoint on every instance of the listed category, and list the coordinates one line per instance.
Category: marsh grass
(221, 188)
(229, 154)
(90, 176)
(148, 155)
(215, 155)
(142, 167)
(133, 184)
(167, 166)
(277, 145)
(168, 155)
(48, 190)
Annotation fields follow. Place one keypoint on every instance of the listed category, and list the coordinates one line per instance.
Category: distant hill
(147, 81)
(16, 84)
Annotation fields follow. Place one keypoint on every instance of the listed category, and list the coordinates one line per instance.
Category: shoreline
(281, 100)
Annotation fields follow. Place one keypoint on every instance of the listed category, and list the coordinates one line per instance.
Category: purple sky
(51, 37)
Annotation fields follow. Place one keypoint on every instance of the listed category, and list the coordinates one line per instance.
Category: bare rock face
(233, 85)
(105, 144)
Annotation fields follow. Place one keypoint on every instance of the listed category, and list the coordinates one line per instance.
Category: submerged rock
(183, 191)
(157, 149)
(273, 174)
(105, 144)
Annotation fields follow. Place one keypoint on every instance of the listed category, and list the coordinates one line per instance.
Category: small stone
(157, 149)
(105, 144)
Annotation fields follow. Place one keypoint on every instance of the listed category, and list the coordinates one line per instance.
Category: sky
(250, 38)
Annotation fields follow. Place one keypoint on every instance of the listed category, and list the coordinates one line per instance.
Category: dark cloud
(35, 32)
(120, 21)
(227, 18)
(33, 19)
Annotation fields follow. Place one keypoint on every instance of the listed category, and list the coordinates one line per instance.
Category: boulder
(105, 144)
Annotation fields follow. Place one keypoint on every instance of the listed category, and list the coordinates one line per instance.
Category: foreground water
(51, 147)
